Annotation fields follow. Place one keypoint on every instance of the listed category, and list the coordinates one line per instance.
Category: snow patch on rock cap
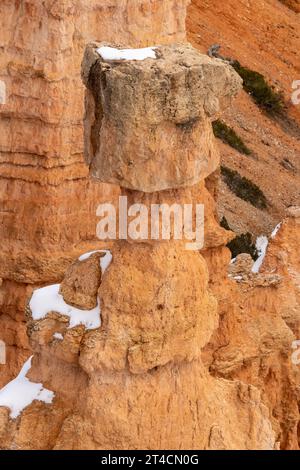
(111, 53)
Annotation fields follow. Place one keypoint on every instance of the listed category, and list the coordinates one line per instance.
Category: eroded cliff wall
(192, 352)
(48, 205)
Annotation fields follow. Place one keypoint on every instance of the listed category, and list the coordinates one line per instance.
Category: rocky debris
(81, 283)
(214, 53)
(125, 138)
(241, 271)
(292, 4)
(235, 25)
(258, 326)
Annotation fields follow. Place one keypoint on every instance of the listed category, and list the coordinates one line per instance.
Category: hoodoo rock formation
(140, 374)
(145, 344)
(45, 221)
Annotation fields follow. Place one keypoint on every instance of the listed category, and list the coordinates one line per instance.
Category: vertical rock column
(148, 129)
(44, 219)
(137, 380)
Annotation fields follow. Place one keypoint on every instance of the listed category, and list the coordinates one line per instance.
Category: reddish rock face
(48, 204)
(263, 37)
(159, 373)
(81, 283)
(259, 323)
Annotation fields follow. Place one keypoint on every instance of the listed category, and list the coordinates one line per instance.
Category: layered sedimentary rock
(48, 205)
(169, 367)
(138, 381)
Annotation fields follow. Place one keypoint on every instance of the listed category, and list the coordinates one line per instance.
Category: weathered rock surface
(146, 352)
(48, 205)
(132, 106)
(292, 4)
(81, 283)
(138, 381)
(241, 270)
(258, 325)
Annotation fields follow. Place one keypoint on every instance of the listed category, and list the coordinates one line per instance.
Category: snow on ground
(276, 230)
(104, 262)
(261, 246)
(110, 53)
(20, 393)
(48, 299)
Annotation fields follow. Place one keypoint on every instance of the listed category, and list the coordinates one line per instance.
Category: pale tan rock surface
(151, 117)
(241, 270)
(138, 381)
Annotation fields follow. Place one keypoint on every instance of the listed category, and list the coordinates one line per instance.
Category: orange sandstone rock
(81, 283)
(48, 205)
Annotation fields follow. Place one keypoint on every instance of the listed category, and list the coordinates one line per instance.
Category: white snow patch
(58, 336)
(48, 299)
(2, 92)
(261, 246)
(276, 230)
(110, 53)
(104, 262)
(20, 393)
(88, 255)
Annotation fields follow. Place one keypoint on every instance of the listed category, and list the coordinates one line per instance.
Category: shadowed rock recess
(149, 345)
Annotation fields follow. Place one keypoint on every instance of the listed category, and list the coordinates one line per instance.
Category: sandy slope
(264, 36)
